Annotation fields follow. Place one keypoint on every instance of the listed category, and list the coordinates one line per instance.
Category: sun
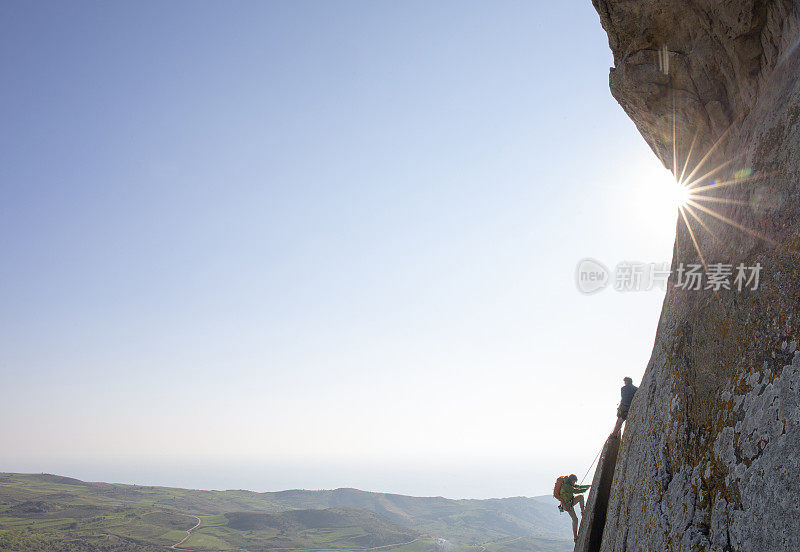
(664, 191)
(679, 193)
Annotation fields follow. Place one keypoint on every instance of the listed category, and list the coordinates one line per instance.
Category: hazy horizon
(286, 242)
(436, 481)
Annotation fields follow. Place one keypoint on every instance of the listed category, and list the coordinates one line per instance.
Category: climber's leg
(622, 414)
(579, 500)
(574, 516)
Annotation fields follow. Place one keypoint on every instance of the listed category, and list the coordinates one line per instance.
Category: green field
(52, 513)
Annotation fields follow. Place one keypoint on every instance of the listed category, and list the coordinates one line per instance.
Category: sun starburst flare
(697, 183)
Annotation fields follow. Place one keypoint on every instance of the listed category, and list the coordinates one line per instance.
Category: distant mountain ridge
(454, 519)
(517, 516)
(346, 519)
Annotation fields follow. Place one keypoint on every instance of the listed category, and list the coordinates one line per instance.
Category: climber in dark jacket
(627, 392)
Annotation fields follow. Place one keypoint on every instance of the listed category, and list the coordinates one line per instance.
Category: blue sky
(331, 235)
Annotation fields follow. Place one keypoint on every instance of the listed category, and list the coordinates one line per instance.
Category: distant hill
(54, 513)
(353, 527)
(463, 521)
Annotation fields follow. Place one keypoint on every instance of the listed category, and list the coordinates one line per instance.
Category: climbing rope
(591, 465)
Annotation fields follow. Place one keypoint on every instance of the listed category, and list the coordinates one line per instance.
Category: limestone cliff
(710, 459)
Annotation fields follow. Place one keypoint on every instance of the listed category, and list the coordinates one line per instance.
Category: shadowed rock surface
(709, 459)
(593, 521)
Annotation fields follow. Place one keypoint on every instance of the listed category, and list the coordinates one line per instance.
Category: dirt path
(385, 546)
(188, 533)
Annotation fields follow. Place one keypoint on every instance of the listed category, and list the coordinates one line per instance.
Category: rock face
(710, 459)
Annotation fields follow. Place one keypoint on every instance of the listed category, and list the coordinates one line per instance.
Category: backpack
(557, 488)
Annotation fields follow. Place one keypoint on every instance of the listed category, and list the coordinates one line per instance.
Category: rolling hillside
(47, 512)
